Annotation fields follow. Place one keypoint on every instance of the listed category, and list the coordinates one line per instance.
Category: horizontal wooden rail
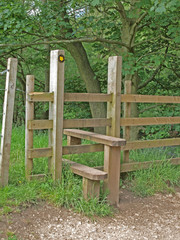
(99, 138)
(80, 123)
(151, 143)
(39, 152)
(149, 121)
(149, 98)
(37, 176)
(40, 124)
(41, 97)
(87, 97)
(133, 166)
(76, 149)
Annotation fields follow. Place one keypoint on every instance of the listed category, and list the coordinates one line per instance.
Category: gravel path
(156, 217)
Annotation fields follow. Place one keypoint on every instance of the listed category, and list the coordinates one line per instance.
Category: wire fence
(5, 71)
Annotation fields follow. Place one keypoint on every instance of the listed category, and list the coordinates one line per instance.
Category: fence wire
(3, 72)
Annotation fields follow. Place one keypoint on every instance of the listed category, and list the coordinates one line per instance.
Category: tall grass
(68, 193)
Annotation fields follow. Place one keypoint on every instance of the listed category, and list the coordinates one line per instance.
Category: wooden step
(85, 171)
(106, 140)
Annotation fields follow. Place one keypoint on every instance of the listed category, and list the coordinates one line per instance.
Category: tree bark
(98, 110)
(128, 37)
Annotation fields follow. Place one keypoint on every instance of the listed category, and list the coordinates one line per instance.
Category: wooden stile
(56, 113)
(7, 120)
(29, 131)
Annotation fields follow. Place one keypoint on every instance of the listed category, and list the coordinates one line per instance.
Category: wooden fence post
(112, 154)
(56, 112)
(28, 132)
(7, 120)
(127, 114)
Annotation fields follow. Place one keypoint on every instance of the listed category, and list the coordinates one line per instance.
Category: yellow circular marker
(61, 58)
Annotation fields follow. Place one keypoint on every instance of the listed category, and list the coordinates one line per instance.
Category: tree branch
(91, 40)
(155, 72)
(151, 78)
(122, 11)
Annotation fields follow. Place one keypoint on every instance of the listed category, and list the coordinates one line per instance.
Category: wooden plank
(112, 157)
(127, 114)
(39, 124)
(85, 171)
(133, 166)
(151, 143)
(114, 88)
(87, 97)
(76, 149)
(41, 97)
(81, 123)
(29, 132)
(149, 121)
(56, 113)
(39, 152)
(107, 140)
(149, 98)
(7, 120)
(91, 188)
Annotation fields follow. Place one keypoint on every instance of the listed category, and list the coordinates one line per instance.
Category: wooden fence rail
(134, 98)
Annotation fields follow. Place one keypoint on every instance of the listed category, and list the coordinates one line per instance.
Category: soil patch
(156, 217)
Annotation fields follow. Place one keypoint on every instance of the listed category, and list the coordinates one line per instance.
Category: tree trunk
(98, 110)
(128, 37)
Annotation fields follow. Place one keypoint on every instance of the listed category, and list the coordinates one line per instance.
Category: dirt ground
(156, 217)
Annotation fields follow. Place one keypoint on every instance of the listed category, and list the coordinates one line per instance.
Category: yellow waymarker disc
(61, 58)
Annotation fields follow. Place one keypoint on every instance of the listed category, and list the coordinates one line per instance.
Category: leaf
(95, 2)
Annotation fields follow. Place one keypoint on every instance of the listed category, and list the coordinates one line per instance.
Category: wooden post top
(106, 140)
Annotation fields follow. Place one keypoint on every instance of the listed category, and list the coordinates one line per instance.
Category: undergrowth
(21, 193)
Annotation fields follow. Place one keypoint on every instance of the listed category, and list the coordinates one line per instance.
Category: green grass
(20, 193)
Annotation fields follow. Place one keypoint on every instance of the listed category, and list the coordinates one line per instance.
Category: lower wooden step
(85, 171)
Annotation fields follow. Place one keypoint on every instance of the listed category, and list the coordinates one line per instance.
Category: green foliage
(156, 179)
(153, 44)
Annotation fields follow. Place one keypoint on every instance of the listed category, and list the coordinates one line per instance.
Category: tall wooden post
(127, 114)
(29, 132)
(7, 120)
(56, 111)
(112, 155)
